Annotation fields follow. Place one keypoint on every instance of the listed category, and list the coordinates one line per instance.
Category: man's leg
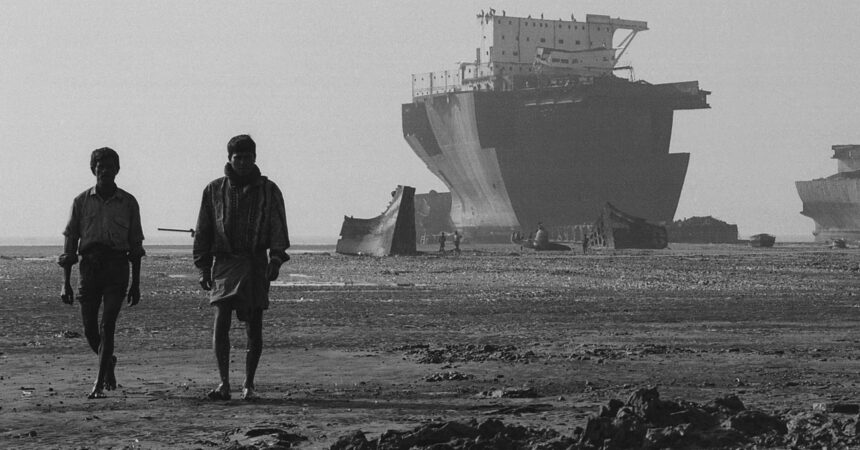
(254, 329)
(221, 344)
(90, 315)
(106, 330)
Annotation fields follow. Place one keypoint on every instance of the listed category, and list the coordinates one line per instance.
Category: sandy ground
(392, 343)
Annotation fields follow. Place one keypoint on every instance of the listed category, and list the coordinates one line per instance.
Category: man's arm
(280, 237)
(203, 236)
(134, 289)
(70, 253)
(67, 260)
(135, 253)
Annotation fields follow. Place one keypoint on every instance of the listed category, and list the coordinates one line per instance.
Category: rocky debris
(819, 430)
(488, 434)
(453, 353)
(268, 437)
(838, 408)
(646, 421)
(467, 353)
(516, 410)
(510, 393)
(451, 375)
(68, 334)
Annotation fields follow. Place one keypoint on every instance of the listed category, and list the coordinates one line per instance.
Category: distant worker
(442, 239)
(104, 228)
(457, 237)
(541, 236)
(240, 244)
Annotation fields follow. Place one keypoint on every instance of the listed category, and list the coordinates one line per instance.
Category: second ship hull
(513, 159)
(834, 204)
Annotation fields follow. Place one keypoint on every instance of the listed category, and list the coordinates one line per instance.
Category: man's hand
(133, 294)
(206, 281)
(272, 269)
(67, 294)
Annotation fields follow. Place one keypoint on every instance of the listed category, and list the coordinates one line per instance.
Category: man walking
(239, 246)
(104, 227)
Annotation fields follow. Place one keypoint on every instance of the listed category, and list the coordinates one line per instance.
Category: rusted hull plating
(390, 233)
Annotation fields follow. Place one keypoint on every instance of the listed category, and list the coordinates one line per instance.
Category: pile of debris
(702, 230)
(643, 421)
(489, 434)
(467, 353)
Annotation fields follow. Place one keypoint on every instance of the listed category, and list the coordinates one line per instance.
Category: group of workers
(240, 243)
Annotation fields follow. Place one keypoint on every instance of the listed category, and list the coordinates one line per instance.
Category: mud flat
(493, 336)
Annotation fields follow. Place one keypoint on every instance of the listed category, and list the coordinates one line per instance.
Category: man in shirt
(104, 228)
(239, 245)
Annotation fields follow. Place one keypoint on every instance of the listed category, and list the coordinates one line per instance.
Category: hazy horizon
(319, 85)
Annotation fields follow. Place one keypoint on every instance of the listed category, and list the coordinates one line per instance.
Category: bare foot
(97, 393)
(221, 392)
(249, 394)
(110, 378)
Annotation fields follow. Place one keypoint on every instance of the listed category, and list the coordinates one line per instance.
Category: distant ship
(834, 202)
(540, 129)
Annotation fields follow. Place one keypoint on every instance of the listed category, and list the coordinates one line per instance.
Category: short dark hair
(100, 154)
(241, 144)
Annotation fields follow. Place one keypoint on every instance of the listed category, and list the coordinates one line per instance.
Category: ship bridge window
(577, 42)
(565, 61)
(542, 40)
(561, 41)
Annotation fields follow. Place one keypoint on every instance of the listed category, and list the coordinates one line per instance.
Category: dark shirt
(240, 220)
(112, 223)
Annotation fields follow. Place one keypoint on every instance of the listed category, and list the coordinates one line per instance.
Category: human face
(106, 170)
(242, 162)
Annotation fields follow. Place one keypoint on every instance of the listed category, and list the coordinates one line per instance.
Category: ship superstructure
(834, 202)
(538, 128)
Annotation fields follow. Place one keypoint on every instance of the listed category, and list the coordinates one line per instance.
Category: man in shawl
(104, 228)
(239, 246)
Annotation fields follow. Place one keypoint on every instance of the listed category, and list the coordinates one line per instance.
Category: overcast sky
(319, 85)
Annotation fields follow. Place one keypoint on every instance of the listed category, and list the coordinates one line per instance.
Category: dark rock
(490, 428)
(646, 403)
(354, 441)
(754, 423)
(610, 409)
(666, 437)
(845, 408)
(820, 430)
(729, 403)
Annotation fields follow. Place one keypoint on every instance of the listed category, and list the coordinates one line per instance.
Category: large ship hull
(513, 159)
(834, 205)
